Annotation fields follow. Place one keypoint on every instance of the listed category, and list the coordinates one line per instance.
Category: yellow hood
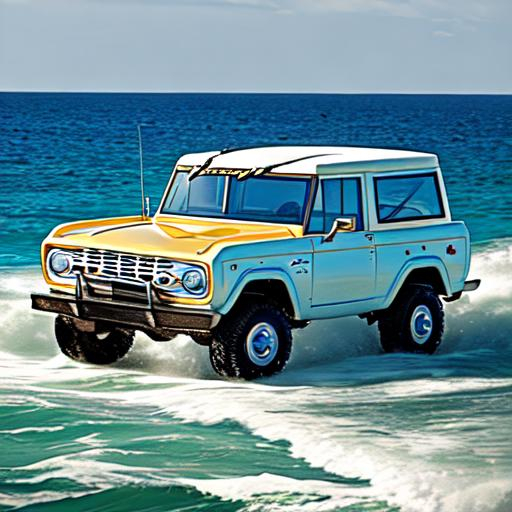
(187, 239)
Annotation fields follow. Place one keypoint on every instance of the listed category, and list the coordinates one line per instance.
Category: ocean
(344, 427)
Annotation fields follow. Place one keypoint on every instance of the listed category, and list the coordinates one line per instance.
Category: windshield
(265, 199)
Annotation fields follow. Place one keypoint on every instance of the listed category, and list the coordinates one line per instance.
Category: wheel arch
(428, 276)
(427, 271)
(274, 283)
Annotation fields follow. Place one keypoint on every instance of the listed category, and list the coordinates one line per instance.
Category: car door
(343, 269)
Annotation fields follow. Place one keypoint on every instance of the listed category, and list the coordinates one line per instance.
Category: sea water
(345, 427)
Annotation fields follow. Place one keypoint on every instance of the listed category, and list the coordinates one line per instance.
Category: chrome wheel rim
(421, 324)
(262, 344)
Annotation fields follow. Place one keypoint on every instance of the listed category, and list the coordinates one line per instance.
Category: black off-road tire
(396, 332)
(92, 347)
(228, 350)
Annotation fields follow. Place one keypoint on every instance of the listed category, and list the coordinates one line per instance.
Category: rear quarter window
(403, 198)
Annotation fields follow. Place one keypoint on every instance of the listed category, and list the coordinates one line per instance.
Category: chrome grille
(116, 264)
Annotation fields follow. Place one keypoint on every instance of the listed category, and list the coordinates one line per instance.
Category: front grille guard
(136, 292)
(136, 297)
(132, 303)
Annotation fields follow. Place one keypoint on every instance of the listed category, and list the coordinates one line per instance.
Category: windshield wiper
(209, 161)
(256, 170)
(401, 205)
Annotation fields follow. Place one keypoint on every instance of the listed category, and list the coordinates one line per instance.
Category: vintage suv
(248, 244)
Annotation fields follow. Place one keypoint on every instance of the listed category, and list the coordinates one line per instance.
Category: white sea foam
(325, 422)
(24, 430)
(85, 469)
(270, 489)
(399, 465)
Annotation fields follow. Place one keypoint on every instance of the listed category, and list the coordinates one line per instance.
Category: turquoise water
(344, 427)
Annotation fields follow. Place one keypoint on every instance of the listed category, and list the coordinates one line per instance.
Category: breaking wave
(370, 431)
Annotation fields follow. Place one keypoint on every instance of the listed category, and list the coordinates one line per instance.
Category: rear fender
(414, 264)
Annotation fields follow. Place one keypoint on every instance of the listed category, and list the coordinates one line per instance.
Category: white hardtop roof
(309, 160)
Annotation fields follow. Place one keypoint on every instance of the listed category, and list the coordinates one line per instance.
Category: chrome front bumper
(130, 303)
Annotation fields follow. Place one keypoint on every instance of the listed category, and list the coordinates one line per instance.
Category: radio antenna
(144, 201)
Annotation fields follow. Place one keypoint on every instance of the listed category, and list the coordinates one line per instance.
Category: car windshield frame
(230, 183)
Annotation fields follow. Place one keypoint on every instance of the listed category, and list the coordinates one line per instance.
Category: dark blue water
(344, 428)
(68, 156)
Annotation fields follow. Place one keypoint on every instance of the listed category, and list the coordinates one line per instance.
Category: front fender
(260, 274)
(413, 264)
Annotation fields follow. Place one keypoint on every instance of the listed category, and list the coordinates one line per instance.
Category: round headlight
(61, 263)
(193, 281)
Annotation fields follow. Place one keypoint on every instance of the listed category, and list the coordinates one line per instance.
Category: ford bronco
(249, 244)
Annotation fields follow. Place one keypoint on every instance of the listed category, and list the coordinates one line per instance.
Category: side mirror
(340, 224)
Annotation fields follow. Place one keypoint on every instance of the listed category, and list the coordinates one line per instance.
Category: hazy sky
(257, 45)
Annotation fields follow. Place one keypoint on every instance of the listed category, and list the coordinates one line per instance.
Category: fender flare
(414, 264)
(258, 275)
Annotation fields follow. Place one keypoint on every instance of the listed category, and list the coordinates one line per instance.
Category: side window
(336, 198)
(332, 202)
(403, 198)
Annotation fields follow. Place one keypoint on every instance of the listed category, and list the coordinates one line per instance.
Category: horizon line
(388, 93)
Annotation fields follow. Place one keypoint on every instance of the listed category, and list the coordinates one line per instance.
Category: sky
(345, 46)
